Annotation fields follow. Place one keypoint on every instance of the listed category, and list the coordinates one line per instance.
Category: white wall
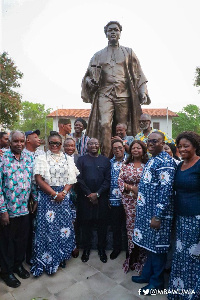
(163, 124)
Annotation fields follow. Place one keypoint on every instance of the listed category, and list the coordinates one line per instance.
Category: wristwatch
(98, 195)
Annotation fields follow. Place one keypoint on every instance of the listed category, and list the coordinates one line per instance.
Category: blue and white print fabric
(54, 234)
(185, 274)
(115, 198)
(155, 199)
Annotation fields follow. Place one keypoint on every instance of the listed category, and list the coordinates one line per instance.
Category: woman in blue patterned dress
(54, 234)
(185, 274)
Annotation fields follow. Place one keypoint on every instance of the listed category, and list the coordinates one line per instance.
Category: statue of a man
(115, 85)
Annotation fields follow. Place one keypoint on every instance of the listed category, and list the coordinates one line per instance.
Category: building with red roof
(161, 118)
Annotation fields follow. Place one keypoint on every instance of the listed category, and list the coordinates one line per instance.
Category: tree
(10, 100)
(188, 119)
(197, 77)
(32, 117)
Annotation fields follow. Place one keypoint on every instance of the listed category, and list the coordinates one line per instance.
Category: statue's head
(113, 31)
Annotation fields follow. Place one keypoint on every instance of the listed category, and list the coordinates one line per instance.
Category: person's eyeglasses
(152, 141)
(57, 144)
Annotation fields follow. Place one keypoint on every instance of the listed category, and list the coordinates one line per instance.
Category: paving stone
(58, 281)
(118, 293)
(76, 292)
(99, 283)
(4, 289)
(114, 270)
(80, 270)
(7, 296)
(34, 290)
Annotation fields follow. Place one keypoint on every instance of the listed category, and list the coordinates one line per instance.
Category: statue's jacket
(135, 78)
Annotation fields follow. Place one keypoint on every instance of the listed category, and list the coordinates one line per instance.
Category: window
(156, 125)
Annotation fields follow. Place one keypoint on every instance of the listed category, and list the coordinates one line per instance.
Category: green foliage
(189, 119)
(197, 77)
(32, 117)
(10, 100)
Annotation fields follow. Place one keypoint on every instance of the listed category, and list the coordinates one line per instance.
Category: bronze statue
(115, 85)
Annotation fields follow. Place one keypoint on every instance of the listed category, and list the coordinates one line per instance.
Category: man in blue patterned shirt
(117, 209)
(15, 189)
(154, 213)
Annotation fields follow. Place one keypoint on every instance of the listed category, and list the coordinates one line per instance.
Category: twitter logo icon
(146, 292)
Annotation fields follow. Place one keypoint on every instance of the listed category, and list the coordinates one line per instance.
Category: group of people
(50, 202)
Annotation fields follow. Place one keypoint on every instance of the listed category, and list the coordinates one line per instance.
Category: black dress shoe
(21, 272)
(139, 279)
(85, 256)
(10, 280)
(103, 256)
(114, 254)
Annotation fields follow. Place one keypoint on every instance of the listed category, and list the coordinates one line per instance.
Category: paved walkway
(93, 280)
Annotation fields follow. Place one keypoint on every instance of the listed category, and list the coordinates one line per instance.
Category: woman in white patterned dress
(54, 237)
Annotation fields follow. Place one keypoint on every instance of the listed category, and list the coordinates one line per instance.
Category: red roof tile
(159, 112)
(84, 113)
